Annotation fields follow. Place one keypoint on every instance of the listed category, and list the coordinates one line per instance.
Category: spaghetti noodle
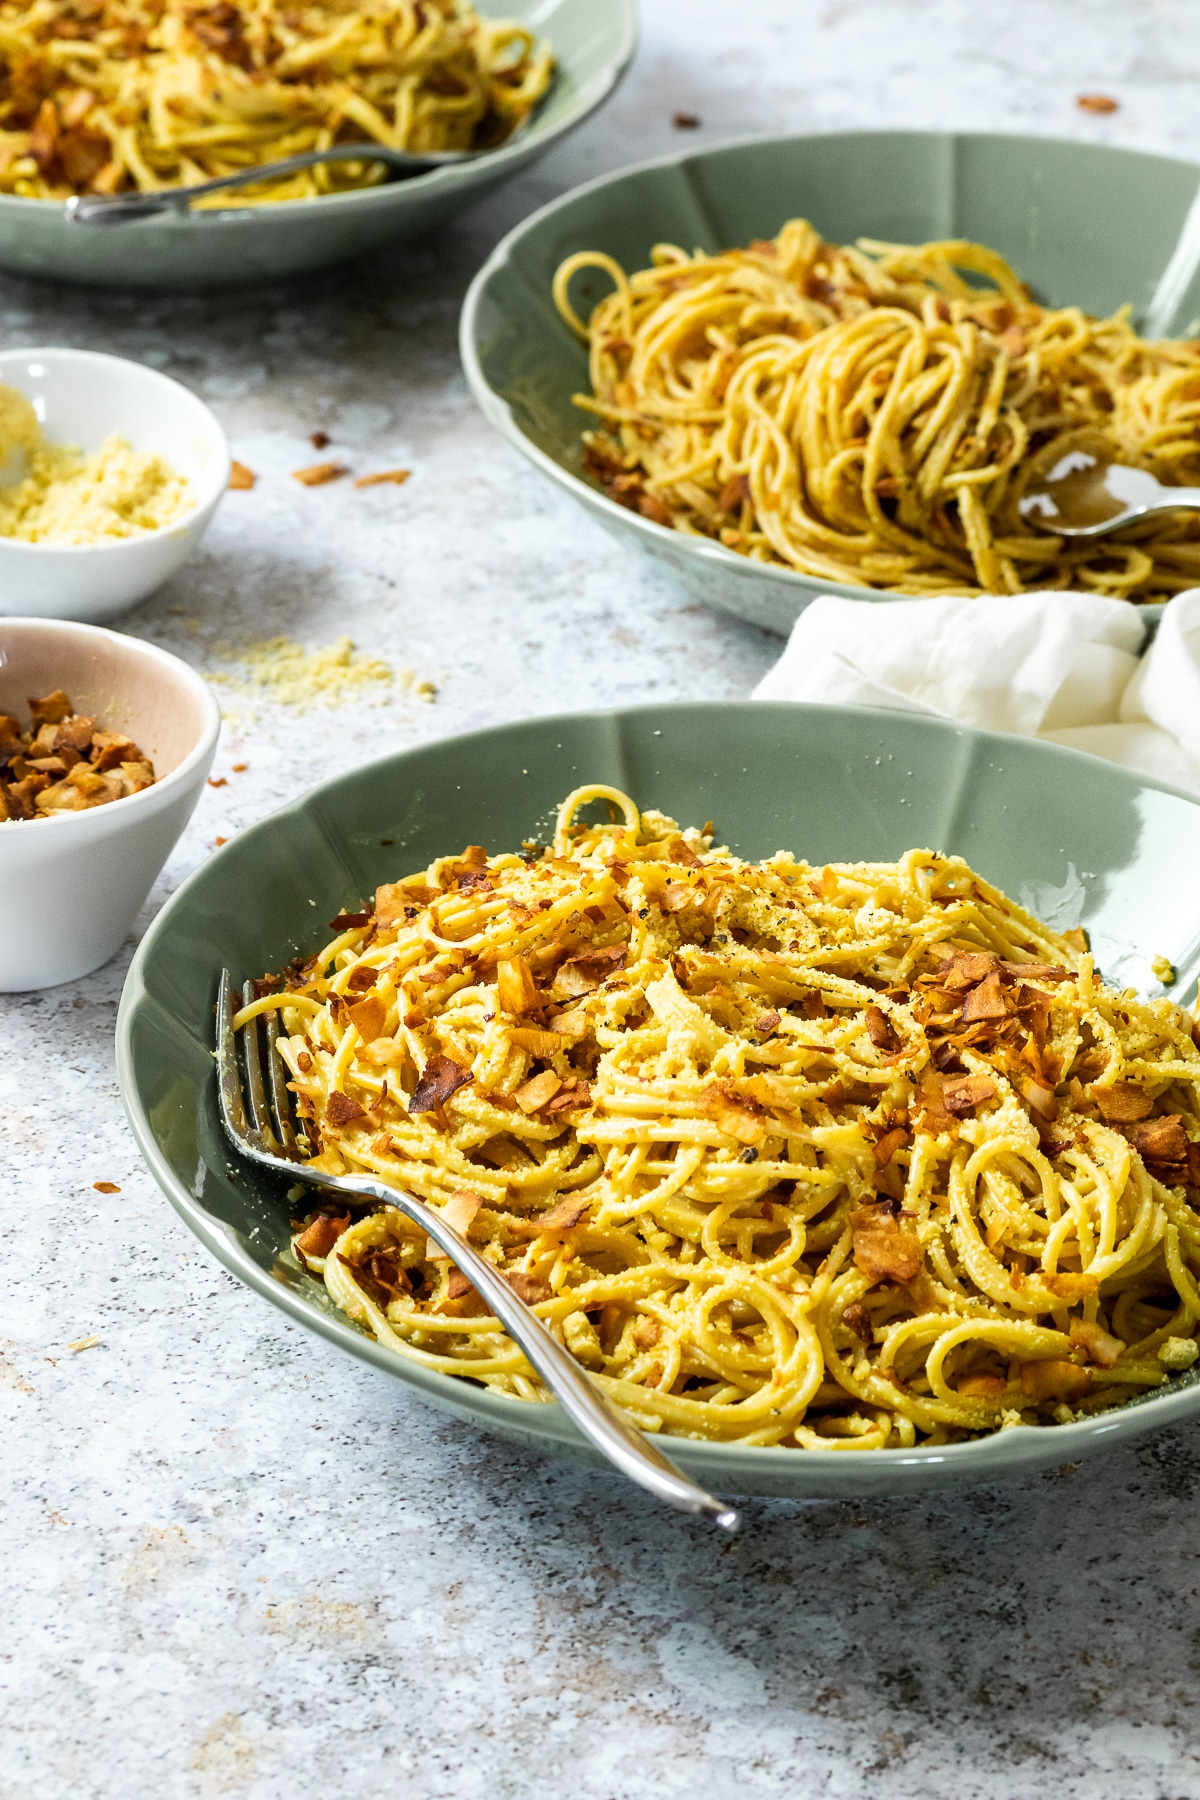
(836, 1158)
(869, 415)
(100, 96)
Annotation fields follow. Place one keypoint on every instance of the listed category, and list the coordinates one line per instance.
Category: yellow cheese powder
(69, 497)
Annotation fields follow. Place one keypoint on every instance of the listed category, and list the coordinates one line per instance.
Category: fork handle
(115, 209)
(598, 1418)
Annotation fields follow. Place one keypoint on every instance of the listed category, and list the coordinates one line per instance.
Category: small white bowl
(81, 397)
(71, 885)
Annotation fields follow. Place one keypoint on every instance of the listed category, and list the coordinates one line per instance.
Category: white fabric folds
(1063, 667)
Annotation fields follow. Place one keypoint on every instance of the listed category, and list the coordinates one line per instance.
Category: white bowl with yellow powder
(109, 475)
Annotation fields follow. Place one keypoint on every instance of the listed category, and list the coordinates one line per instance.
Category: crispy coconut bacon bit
(882, 1249)
(440, 1078)
(63, 762)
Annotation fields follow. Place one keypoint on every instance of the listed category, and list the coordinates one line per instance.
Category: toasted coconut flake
(1162, 1140)
(538, 1043)
(981, 1387)
(318, 1238)
(1099, 1346)
(889, 1143)
(458, 1212)
(881, 1248)
(529, 1288)
(397, 476)
(880, 1029)
(858, 1320)
(515, 987)
(341, 1110)
(1122, 1102)
(534, 1094)
(966, 968)
(368, 1017)
(1068, 1286)
(563, 1217)
(240, 476)
(1054, 1380)
(440, 1078)
(987, 1002)
(963, 1095)
(738, 1115)
(317, 474)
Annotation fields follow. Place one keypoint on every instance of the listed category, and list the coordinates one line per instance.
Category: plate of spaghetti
(121, 96)
(816, 380)
(847, 1164)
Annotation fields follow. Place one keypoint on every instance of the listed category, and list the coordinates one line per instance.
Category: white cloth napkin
(1058, 666)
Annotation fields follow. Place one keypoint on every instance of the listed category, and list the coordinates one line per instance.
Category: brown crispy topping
(936, 1116)
(965, 968)
(64, 762)
(1052, 1380)
(515, 989)
(880, 1029)
(736, 1114)
(535, 1093)
(1160, 1140)
(538, 1043)
(858, 1320)
(564, 1216)
(573, 1096)
(529, 1288)
(318, 1239)
(1097, 103)
(397, 476)
(458, 1212)
(581, 973)
(368, 1016)
(987, 1001)
(1070, 1287)
(349, 921)
(889, 1143)
(340, 1109)
(1098, 1345)
(106, 1187)
(319, 473)
(1122, 1102)
(441, 1078)
(881, 1248)
(1036, 971)
(240, 476)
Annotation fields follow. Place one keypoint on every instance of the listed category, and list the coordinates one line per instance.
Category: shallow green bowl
(593, 41)
(1085, 225)
(1067, 834)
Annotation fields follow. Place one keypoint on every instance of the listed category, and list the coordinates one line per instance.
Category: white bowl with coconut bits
(109, 475)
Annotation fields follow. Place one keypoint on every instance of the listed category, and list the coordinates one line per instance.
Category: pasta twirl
(834, 1158)
(870, 415)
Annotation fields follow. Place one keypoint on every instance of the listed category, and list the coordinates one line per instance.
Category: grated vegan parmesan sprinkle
(279, 669)
(60, 495)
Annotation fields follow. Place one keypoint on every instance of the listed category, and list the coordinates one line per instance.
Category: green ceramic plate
(594, 42)
(1068, 834)
(1084, 224)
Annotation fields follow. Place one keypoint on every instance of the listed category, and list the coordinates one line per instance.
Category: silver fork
(264, 1132)
(117, 209)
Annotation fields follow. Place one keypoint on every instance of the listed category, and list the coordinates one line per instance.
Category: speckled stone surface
(234, 1566)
